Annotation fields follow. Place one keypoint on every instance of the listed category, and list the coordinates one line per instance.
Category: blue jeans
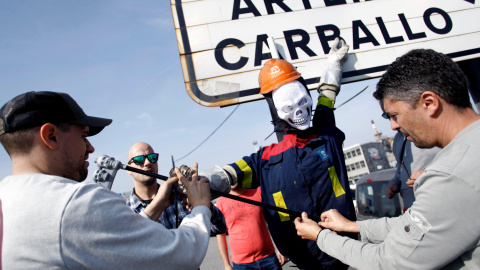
(269, 263)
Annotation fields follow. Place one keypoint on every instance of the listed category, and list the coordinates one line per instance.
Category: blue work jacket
(305, 172)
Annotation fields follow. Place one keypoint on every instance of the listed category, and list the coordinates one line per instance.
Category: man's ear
(430, 101)
(48, 136)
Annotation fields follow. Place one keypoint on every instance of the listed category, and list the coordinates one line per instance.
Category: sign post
(224, 43)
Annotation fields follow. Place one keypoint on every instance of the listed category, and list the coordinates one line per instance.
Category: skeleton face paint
(293, 104)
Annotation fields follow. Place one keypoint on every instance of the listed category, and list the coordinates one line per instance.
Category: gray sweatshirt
(440, 230)
(50, 222)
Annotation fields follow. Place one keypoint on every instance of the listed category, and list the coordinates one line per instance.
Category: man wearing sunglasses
(143, 197)
(50, 220)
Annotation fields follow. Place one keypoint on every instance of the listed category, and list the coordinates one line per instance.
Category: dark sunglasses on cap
(139, 160)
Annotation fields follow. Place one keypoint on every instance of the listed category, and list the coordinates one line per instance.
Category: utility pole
(377, 134)
(255, 147)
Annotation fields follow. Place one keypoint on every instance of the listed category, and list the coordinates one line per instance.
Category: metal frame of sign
(212, 92)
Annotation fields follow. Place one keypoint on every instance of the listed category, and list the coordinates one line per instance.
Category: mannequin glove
(331, 75)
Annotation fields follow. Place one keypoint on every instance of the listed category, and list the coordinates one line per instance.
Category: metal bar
(128, 168)
(233, 197)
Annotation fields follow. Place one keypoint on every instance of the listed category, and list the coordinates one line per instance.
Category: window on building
(353, 167)
(362, 163)
(349, 155)
(358, 152)
(357, 165)
(348, 168)
(354, 154)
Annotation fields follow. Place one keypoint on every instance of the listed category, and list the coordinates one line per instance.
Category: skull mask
(293, 104)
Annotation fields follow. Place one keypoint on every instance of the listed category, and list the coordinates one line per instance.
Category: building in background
(362, 159)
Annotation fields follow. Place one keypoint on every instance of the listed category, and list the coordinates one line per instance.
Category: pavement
(213, 261)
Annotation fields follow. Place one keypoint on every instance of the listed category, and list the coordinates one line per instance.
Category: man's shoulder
(39, 181)
(460, 159)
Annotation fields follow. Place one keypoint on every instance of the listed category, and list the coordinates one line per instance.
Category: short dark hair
(423, 70)
(21, 141)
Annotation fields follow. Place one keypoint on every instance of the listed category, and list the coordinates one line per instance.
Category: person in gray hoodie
(50, 220)
(425, 96)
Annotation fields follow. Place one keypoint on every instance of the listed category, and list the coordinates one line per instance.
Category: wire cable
(209, 135)
(351, 98)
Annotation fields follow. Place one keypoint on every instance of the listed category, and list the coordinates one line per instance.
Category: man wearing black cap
(50, 220)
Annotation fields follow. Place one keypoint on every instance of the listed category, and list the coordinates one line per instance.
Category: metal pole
(471, 68)
(273, 47)
(261, 204)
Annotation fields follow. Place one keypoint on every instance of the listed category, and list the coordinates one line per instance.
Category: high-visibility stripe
(325, 101)
(280, 202)
(247, 173)
(337, 187)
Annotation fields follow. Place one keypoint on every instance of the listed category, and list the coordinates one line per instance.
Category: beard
(149, 181)
(74, 170)
(144, 179)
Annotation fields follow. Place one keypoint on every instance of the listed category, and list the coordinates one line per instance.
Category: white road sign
(223, 43)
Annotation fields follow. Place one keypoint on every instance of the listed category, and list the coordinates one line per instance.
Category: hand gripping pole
(108, 167)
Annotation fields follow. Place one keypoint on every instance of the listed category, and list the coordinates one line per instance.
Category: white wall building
(361, 159)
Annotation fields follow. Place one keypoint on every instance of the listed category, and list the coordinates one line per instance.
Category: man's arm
(218, 221)
(162, 200)
(411, 241)
(223, 249)
(394, 185)
(98, 231)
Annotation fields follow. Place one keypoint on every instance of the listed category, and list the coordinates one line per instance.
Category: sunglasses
(386, 115)
(139, 160)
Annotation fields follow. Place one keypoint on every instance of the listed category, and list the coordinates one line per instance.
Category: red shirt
(247, 230)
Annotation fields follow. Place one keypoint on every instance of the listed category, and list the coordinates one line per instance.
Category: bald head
(142, 149)
(139, 147)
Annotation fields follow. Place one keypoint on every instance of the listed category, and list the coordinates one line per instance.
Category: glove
(331, 76)
(219, 179)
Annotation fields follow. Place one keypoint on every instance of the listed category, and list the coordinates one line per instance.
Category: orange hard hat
(275, 73)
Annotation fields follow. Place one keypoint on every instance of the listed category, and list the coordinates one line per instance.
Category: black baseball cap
(33, 109)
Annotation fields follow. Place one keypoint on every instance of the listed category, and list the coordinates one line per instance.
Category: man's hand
(414, 177)
(307, 228)
(391, 190)
(198, 190)
(334, 221)
(162, 199)
(281, 259)
(165, 191)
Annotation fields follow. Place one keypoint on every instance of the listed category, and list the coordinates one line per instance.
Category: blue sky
(119, 59)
